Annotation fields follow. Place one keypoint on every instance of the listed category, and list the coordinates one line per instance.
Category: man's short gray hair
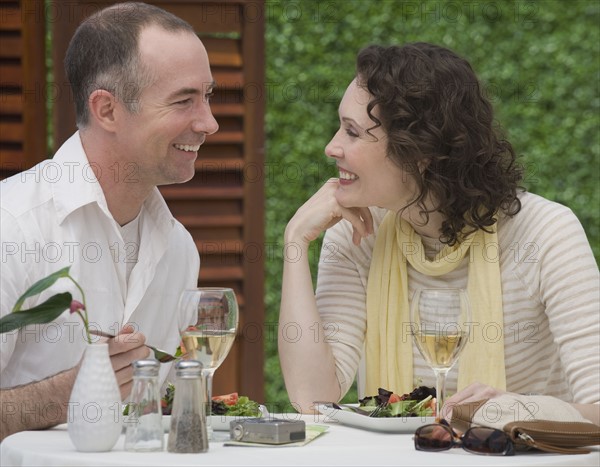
(104, 54)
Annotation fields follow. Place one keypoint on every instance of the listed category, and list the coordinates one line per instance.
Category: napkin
(312, 432)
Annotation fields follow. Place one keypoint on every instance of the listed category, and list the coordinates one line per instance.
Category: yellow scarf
(389, 344)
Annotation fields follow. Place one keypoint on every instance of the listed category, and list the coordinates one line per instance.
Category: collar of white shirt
(77, 176)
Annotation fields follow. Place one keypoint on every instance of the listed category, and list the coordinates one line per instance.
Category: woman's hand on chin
(323, 211)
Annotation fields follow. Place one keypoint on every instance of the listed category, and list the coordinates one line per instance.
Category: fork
(160, 355)
(378, 409)
(352, 408)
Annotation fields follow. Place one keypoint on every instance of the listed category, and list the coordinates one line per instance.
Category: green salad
(418, 403)
(230, 405)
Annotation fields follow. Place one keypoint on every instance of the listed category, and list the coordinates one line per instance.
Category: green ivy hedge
(539, 61)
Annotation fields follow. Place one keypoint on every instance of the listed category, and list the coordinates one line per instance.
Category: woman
(428, 196)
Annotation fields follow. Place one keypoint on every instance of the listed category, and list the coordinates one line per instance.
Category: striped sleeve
(567, 279)
(341, 296)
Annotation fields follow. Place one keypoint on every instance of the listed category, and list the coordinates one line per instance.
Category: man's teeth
(187, 147)
(347, 176)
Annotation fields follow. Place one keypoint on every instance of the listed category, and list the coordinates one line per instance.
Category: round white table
(340, 445)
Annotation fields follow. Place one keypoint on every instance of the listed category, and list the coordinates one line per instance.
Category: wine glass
(439, 320)
(213, 316)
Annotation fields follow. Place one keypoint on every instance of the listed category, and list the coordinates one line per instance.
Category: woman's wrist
(293, 238)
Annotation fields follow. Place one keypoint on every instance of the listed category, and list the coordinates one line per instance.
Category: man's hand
(127, 347)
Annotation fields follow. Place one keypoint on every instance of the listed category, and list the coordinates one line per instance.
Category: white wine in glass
(440, 330)
(213, 316)
(210, 347)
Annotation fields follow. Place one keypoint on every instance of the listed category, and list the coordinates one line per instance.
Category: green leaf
(42, 313)
(40, 286)
(244, 407)
(401, 407)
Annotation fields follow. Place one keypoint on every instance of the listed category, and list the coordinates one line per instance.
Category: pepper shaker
(188, 432)
(144, 430)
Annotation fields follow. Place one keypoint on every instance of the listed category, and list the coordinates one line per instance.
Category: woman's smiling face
(367, 177)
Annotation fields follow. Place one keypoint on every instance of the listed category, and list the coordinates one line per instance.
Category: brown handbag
(565, 437)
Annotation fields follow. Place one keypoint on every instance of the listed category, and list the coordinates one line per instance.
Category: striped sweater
(550, 293)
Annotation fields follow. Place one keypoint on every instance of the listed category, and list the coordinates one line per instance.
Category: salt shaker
(144, 430)
(188, 418)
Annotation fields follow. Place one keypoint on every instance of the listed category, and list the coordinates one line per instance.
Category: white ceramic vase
(94, 415)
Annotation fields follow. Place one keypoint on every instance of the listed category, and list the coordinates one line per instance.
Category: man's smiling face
(174, 115)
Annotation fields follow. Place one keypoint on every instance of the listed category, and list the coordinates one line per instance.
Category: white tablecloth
(340, 445)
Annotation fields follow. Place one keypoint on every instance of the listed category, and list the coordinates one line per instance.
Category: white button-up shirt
(55, 215)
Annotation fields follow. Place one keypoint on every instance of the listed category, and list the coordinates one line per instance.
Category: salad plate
(384, 424)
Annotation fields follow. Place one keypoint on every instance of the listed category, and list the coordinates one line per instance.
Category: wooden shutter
(23, 88)
(221, 206)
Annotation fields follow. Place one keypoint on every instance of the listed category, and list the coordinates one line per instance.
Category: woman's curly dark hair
(440, 129)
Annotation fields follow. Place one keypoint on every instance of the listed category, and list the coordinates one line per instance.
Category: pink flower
(76, 306)
(49, 310)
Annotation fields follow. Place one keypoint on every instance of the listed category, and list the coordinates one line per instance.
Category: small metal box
(268, 431)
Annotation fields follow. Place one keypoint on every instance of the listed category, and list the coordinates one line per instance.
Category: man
(142, 115)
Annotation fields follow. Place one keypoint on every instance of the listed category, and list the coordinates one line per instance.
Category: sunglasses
(477, 440)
